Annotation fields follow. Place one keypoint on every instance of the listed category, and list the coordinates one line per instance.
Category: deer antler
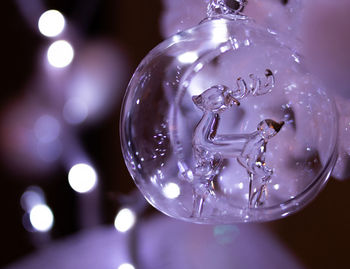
(258, 87)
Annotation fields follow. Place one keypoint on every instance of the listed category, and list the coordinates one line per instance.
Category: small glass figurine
(249, 149)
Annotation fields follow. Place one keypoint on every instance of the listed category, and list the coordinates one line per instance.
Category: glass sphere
(222, 123)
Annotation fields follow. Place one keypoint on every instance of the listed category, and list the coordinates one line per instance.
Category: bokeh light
(60, 54)
(31, 197)
(51, 23)
(82, 178)
(125, 220)
(49, 152)
(126, 266)
(75, 111)
(41, 218)
(47, 129)
(96, 82)
(171, 190)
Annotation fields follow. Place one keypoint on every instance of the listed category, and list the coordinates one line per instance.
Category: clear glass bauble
(222, 123)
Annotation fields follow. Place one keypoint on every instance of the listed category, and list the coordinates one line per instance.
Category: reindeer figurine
(253, 160)
(210, 148)
(208, 153)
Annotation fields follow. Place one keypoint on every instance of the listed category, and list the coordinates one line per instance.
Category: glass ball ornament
(222, 123)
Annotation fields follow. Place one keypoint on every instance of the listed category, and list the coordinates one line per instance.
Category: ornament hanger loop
(225, 7)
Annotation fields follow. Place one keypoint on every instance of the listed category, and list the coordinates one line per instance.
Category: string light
(126, 266)
(31, 197)
(125, 220)
(171, 190)
(82, 178)
(51, 23)
(60, 54)
(47, 129)
(41, 218)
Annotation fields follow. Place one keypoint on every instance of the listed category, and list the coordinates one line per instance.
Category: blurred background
(67, 199)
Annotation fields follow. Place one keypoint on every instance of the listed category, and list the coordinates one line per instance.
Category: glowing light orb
(51, 23)
(126, 266)
(171, 190)
(60, 54)
(125, 220)
(41, 218)
(82, 178)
